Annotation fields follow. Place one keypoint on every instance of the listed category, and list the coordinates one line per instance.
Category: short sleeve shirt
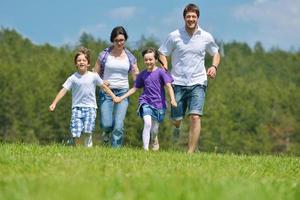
(153, 87)
(188, 54)
(83, 88)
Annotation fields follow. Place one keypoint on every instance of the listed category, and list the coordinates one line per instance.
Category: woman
(113, 65)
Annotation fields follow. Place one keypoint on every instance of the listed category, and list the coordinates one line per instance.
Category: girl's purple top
(153, 87)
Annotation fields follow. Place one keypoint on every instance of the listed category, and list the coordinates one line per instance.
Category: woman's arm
(97, 67)
(134, 71)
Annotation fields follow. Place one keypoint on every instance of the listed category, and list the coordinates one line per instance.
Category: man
(187, 47)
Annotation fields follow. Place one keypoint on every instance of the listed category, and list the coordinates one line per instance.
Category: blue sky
(275, 23)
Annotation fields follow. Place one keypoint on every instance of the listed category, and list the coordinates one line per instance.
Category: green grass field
(61, 172)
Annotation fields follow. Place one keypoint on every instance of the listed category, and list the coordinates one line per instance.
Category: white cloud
(123, 12)
(277, 21)
(94, 29)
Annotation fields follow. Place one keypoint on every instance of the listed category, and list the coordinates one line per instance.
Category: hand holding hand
(117, 99)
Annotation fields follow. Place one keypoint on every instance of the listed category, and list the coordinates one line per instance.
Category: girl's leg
(154, 132)
(146, 131)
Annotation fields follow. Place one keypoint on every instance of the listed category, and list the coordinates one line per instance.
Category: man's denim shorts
(146, 109)
(189, 98)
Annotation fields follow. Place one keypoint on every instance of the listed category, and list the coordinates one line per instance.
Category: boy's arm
(108, 91)
(171, 94)
(58, 97)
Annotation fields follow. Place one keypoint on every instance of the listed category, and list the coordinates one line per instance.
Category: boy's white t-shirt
(83, 88)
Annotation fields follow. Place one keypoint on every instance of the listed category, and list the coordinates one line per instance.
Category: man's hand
(212, 72)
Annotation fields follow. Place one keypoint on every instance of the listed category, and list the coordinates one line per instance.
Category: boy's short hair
(191, 8)
(85, 52)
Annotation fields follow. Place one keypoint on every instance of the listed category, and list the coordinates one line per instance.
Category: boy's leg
(76, 125)
(89, 125)
(87, 139)
(77, 141)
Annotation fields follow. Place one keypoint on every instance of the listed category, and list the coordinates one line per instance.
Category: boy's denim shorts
(146, 109)
(82, 120)
(190, 98)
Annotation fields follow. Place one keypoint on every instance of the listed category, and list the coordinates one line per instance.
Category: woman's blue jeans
(112, 116)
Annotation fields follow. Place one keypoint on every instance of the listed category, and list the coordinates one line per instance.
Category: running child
(82, 84)
(152, 102)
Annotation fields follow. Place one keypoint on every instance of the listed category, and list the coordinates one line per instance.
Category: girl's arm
(134, 71)
(58, 97)
(130, 92)
(171, 94)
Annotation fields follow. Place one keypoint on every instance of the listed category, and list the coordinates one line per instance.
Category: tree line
(251, 107)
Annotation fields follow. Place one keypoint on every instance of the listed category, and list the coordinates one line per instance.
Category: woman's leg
(106, 115)
(120, 111)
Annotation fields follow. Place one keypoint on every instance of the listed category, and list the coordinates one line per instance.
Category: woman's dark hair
(191, 8)
(152, 50)
(85, 52)
(117, 31)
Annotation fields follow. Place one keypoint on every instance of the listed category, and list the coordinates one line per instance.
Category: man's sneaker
(176, 133)
(105, 137)
(155, 144)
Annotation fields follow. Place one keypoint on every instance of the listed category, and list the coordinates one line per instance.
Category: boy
(82, 85)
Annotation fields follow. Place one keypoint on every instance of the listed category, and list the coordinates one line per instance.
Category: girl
(113, 64)
(152, 102)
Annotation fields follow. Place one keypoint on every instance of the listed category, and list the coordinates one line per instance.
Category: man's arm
(212, 71)
(164, 61)
(171, 94)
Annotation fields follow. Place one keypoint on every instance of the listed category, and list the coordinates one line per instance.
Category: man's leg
(176, 130)
(194, 132)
